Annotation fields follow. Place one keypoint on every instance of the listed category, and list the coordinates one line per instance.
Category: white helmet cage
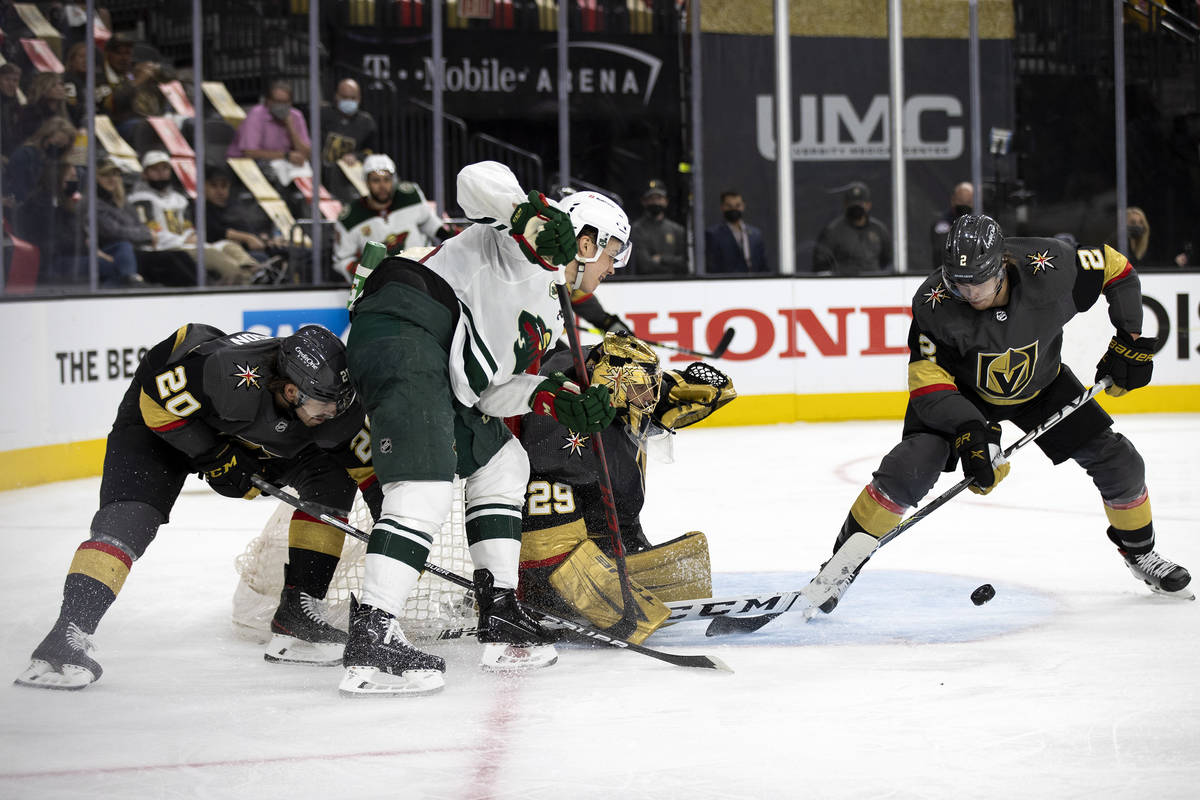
(591, 209)
(378, 162)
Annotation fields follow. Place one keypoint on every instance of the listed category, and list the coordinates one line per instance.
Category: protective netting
(435, 605)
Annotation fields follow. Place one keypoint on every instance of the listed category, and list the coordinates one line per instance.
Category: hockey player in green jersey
(391, 212)
(228, 407)
(438, 351)
(985, 346)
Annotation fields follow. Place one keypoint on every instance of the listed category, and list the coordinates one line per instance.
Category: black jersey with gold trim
(200, 386)
(1008, 354)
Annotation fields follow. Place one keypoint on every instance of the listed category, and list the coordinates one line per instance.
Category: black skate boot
(300, 634)
(512, 639)
(61, 660)
(1162, 576)
(380, 661)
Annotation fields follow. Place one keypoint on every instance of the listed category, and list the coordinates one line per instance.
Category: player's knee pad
(1114, 465)
(676, 570)
(422, 505)
(909, 471)
(502, 479)
(128, 525)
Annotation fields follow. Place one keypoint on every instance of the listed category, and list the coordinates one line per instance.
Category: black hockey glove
(545, 233)
(228, 472)
(982, 459)
(587, 411)
(1129, 361)
(611, 323)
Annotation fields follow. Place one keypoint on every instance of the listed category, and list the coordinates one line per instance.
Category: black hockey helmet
(974, 252)
(314, 359)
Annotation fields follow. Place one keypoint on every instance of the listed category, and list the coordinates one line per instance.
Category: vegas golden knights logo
(1005, 375)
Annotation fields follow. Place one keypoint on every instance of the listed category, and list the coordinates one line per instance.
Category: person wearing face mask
(349, 136)
(659, 243)
(39, 154)
(166, 211)
(854, 243)
(734, 245)
(274, 131)
(1137, 228)
(962, 201)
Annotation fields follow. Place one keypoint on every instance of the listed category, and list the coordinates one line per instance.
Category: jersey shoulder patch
(236, 373)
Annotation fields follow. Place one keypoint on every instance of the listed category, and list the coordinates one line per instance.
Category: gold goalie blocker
(566, 557)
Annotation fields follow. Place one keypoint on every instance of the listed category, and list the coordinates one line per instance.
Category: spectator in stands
(139, 98)
(962, 201)
(118, 71)
(1137, 228)
(75, 82)
(10, 107)
(659, 244)
(275, 131)
(37, 160)
(734, 245)
(394, 214)
(349, 138)
(49, 220)
(854, 243)
(167, 212)
(227, 221)
(47, 97)
(116, 222)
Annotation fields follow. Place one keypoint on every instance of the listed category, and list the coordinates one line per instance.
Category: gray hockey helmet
(974, 251)
(314, 359)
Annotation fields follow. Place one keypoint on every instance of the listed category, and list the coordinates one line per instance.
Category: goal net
(435, 605)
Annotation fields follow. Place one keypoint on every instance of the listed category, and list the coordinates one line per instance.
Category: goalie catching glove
(982, 459)
(544, 233)
(691, 395)
(586, 411)
(1129, 361)
(229, 471)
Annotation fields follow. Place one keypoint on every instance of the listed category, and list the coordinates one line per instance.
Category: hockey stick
(327, 515)
(628, 622)
(717, 352)
(840, 570)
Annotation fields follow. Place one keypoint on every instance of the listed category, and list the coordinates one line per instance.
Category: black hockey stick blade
(696, 662)
(721, 626)
(723, 345)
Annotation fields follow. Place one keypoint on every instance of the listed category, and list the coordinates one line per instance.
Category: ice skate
(512, 640)
(380, 661)
(61, 660)
(300, 634)
(1162, 576)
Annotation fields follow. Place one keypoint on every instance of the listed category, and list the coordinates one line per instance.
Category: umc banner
(841, 127)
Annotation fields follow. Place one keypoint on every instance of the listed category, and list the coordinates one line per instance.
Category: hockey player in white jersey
(395, 214)
(438, 350)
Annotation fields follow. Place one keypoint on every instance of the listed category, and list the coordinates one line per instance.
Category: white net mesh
(435, 605)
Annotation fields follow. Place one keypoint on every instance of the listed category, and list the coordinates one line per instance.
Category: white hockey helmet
(378, 162)
(592, 209)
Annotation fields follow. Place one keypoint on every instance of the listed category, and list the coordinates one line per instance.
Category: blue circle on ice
(880, 607)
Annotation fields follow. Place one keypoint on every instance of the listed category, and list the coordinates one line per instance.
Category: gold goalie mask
(629, 368)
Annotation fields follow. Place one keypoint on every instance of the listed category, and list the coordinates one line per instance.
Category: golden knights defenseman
(438, 351)
(566, 545)
(228, 407)
(985, 346)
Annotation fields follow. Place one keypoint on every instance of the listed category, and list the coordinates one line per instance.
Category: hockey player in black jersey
(985, 346)
(566, 545)
(228, 407)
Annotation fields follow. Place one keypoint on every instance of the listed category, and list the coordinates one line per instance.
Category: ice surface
(1073, 682)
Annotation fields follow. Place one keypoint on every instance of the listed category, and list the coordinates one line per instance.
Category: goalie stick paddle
(717, 352)
(329, 517)
(837, 573)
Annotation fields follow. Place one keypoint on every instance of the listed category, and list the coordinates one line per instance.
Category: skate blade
(41, 675)
(1180, 594)
(502, 657)
(285, 649)
(369, 681)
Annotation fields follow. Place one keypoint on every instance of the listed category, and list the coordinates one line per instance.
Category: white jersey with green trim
(509, 309)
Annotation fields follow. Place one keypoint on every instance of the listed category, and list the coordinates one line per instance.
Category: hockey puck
(983, 594)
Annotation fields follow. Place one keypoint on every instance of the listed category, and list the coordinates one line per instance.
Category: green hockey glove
(586, 411)
(544, 233)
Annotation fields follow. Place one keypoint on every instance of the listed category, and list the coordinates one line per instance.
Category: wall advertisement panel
(817, 349)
